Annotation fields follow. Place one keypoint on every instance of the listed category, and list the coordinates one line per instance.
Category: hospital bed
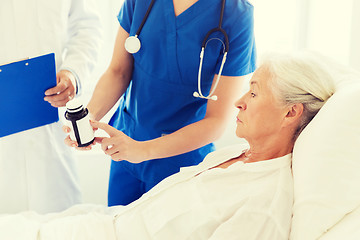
(326, 169)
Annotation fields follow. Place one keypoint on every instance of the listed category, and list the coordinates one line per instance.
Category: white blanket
(81, 222)
(244, 201)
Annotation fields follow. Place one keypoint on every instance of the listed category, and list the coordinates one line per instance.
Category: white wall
(327, 26)
(330, 28)
(354, 47)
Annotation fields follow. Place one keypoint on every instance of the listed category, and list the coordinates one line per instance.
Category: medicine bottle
(81, 130)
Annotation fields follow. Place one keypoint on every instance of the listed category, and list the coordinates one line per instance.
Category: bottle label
(86, 132)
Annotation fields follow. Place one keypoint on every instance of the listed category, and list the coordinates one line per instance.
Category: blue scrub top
(160, 98)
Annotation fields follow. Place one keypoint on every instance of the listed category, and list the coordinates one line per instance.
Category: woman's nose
(240, 104)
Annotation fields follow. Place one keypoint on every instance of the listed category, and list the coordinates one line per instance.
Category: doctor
(167, 119)
(37, 171)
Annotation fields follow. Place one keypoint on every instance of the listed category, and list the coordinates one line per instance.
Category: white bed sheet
(81, 222)
(348, 228)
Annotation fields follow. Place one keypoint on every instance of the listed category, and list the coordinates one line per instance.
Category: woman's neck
(270, 149)
(180, 5)
(263, 150)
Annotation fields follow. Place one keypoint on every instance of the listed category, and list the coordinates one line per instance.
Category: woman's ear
(294, 113)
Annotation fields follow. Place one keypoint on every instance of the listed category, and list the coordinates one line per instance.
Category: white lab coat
(37, 170)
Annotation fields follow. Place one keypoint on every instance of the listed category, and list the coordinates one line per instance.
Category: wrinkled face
(260, 115)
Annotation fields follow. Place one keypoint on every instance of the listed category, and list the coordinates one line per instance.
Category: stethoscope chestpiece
(132, 44)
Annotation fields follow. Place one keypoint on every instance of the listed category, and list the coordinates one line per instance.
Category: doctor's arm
(80, 52)
(188, 138)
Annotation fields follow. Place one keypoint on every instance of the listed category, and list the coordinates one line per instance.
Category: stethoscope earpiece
(213, 97)
(197, 95)
(132, 44)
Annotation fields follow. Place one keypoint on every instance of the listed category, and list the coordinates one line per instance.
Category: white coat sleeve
(84, 40)
(250, 225)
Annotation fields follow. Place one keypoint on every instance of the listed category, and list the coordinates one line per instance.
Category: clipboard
(22, 91)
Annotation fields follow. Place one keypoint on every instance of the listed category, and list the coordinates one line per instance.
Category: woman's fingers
(70, 142)
(106, 127)
(66, 129)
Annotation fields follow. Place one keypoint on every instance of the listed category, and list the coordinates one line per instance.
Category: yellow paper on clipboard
(22, 91)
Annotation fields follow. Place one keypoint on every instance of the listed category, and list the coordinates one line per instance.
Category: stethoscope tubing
(217, 29)
(145, 18)
(203, 46)
(134, 45)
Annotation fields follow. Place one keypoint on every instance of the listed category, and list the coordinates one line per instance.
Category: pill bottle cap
(74, 105)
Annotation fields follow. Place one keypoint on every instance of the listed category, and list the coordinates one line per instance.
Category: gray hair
(301, 78)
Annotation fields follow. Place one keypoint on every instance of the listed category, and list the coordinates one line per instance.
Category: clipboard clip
(22, 59)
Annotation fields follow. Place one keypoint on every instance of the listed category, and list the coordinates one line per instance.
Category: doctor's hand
(119, 146)
(64, 91)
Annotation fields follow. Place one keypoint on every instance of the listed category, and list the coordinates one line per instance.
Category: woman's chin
(239, 134)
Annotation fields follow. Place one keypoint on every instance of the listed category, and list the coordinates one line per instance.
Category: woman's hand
(72, 143)
(119, 146)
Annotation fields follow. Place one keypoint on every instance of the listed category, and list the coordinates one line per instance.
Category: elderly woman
(240, 192)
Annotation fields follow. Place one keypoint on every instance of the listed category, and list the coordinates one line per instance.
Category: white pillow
(326, 166)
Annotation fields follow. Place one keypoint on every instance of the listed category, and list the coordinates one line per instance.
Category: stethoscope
(133, 45)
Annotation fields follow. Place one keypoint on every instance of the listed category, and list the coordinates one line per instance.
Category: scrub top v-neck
(160, 98)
